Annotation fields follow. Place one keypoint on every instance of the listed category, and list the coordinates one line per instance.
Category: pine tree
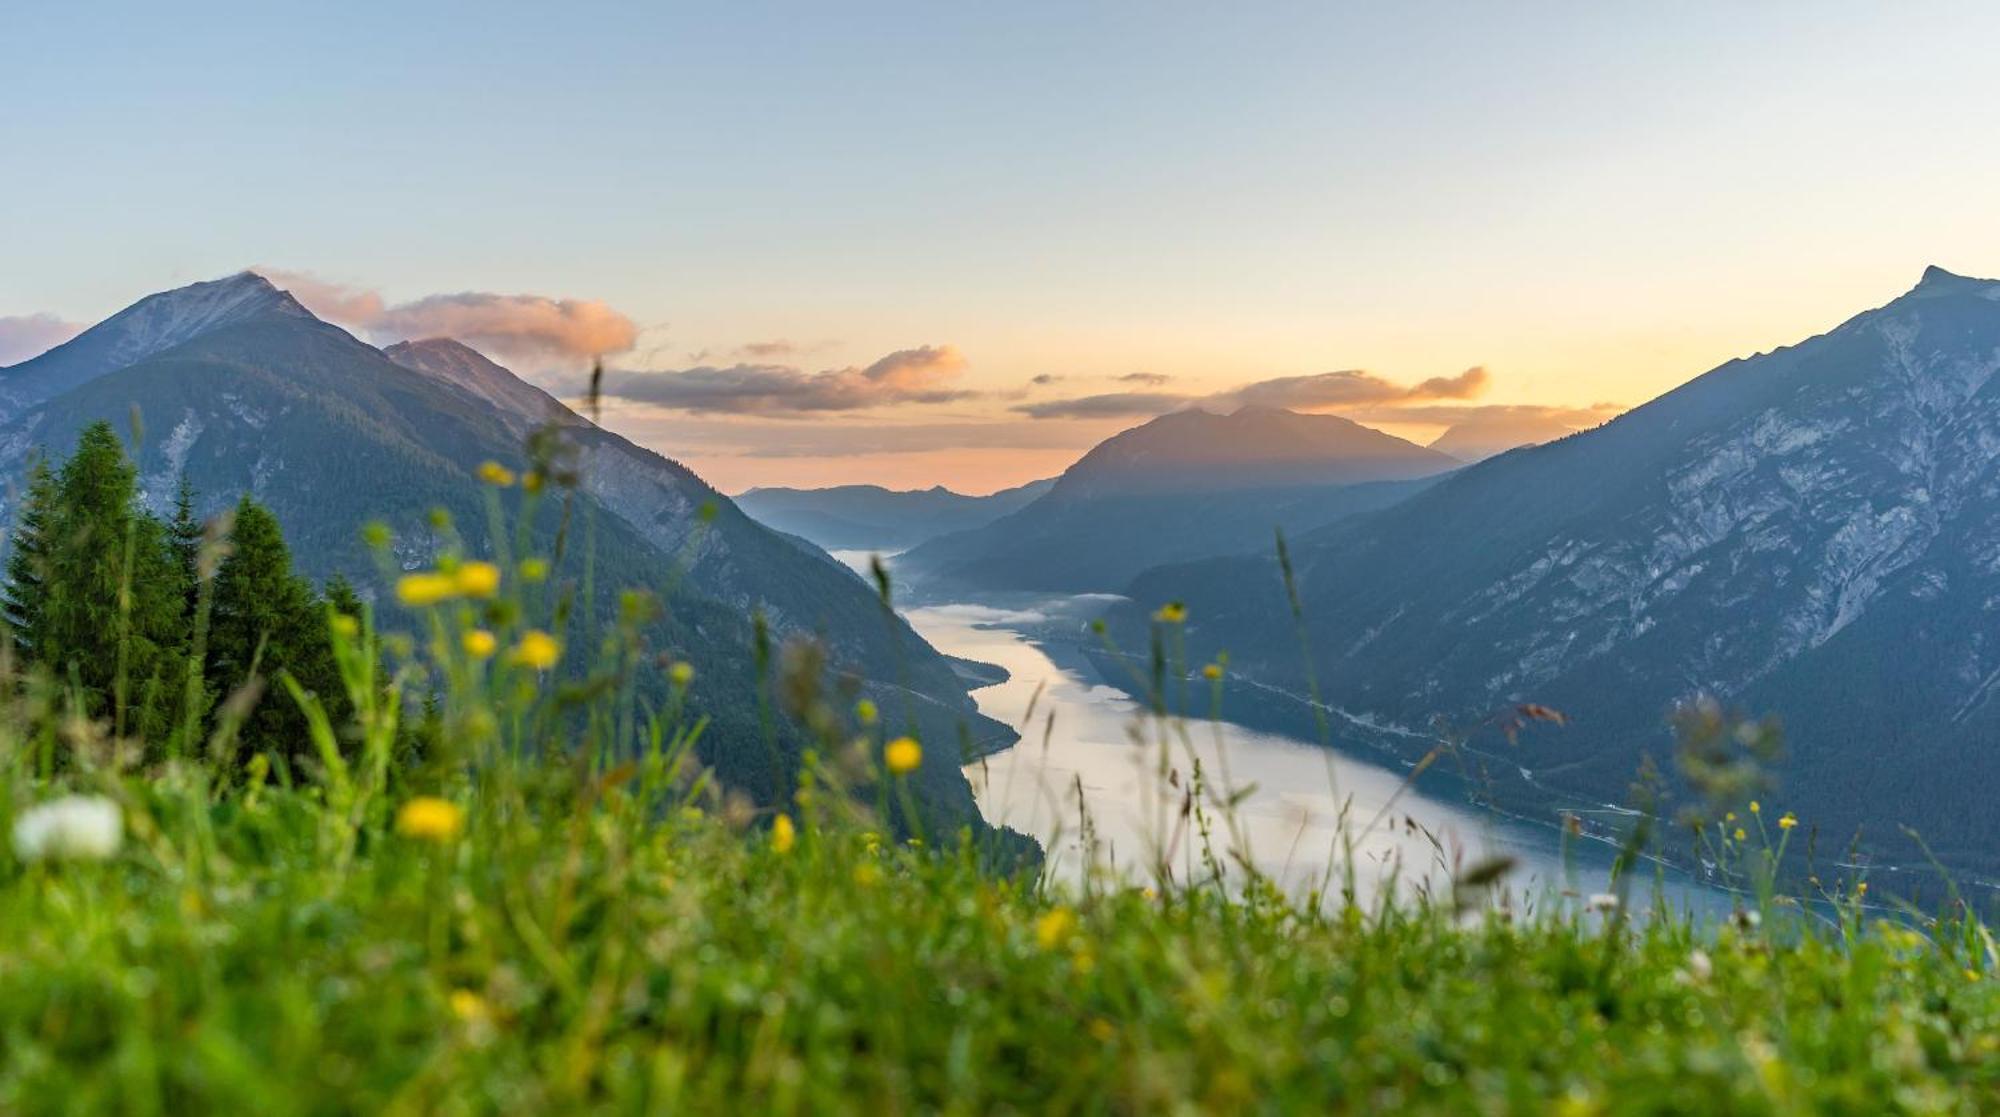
(184, 533)
(110, 611)
(27, 561)
(266, 619)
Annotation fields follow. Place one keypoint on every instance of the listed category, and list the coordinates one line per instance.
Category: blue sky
(1593, 202)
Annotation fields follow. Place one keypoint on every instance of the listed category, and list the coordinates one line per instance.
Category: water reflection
(1307, 816)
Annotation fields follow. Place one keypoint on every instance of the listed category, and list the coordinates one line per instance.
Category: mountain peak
(1938, 281)
(151, 326)
(1255, 446)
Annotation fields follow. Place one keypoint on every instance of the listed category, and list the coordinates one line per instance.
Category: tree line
(152, 624)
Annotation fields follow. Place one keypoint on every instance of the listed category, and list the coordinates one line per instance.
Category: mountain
(1813, 532)
(869, 516)
(521, 403)
(152, 325)
(242, 390)
(1478, 440)
(1186, 485)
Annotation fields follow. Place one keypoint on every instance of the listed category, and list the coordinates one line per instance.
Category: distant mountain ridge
(870, 516)
(1813, 532)
(1249, 448)
(1186, 485)
(1477, 441)
(242, 390)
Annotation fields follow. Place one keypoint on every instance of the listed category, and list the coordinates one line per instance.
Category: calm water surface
(1303, 807)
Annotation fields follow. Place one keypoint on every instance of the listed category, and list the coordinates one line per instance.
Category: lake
(1302, 807)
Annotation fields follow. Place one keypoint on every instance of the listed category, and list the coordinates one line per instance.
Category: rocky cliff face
(1814, 531)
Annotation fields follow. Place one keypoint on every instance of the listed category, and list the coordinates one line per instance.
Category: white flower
(73, 828)
(1700, 966)
(1603, 901)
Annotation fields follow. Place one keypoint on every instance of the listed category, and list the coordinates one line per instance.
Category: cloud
(835, 436)
(1109, 405)
(905, 376)
(1153, 378)
(1045, 379)
(1351, 388)
(518, 329)
(767, 350)
(30, 335)
(1339, 391)
(1453, 415)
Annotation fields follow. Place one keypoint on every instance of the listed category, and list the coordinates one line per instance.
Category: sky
(914, 244)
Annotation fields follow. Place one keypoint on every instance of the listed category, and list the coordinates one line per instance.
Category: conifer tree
(108, 611)
(27, 558)
(184, 533)
(267, 619)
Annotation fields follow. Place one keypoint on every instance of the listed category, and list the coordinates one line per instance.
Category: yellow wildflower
(1212, 672)
(783, 834)
(537, 649)
(903, 755)
(865, 711)
(431, 819)
(534, 569)
(531, 481)
(426, 588)
(867, 874)
(1729, 817)
(1755, 806)
(1740, 835)
(478, 643)
(346, 626)
(468, 1005)
(495, 474)
(1787, 820)
(478, 579)
(1861, 889)
(681, 674)
(1054, 927)
(1173, 612)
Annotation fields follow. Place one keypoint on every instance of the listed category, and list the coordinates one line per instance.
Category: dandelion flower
(681, 674)
(73, 828)
(1861, 889)
(534, 569)
(1603, 902)
(865, 711)
(1756, 807)
(783, 834)
(428, 818)
(537, 649)
(426, 588)
(1053, 927)
(1740, 835)
(495, 474)
(345, 626)
(903, 755)
(1173, 612)
(468, 1005)
(478, 643)
(531, 481)
(1212, 672)
(478, 579)
(1787, 820)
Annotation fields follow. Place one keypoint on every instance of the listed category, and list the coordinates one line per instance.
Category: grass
(553, 910)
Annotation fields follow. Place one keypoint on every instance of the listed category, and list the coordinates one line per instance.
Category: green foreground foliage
(544, 902)
(566, 950)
